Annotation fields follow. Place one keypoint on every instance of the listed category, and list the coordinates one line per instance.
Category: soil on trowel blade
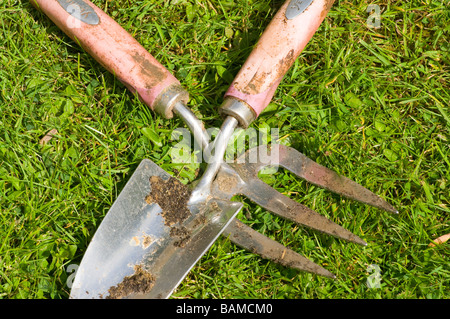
(172, 196)
(182, 236)
(141, 282)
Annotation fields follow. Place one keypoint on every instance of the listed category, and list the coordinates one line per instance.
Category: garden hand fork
(249, 93)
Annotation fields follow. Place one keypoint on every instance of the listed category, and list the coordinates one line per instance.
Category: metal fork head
(312, 172)
(241, 177)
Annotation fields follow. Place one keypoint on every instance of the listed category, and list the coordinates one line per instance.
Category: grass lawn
(369, 103)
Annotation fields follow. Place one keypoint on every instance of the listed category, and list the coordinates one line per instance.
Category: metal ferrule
(238, 109)
(167, 100)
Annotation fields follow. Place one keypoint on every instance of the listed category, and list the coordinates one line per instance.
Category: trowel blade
(137, 253)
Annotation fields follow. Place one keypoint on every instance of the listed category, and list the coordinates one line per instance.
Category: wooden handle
(279, 46)
(114, 48)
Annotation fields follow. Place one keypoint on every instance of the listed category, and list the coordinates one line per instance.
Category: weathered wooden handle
(115, 49)
(279, 46)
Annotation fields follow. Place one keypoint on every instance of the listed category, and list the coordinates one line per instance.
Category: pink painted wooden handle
(111, 46)
(277, 49)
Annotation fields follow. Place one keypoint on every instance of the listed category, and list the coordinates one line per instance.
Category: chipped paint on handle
(277, 49)
(111, 46)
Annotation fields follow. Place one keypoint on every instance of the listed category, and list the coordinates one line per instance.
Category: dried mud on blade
(150, 238)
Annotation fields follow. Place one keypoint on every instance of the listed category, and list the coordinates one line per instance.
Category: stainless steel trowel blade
(136, 254)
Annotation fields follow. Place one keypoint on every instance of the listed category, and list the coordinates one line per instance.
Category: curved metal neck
(194, 124)
(217, 147)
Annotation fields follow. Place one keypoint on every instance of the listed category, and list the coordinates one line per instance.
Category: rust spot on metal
(147, 240)
(134, 241)
(144, 241)
(259, 244)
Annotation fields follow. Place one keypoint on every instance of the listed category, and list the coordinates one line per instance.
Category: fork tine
(270, 199)
(248, 238)
(321, 176)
